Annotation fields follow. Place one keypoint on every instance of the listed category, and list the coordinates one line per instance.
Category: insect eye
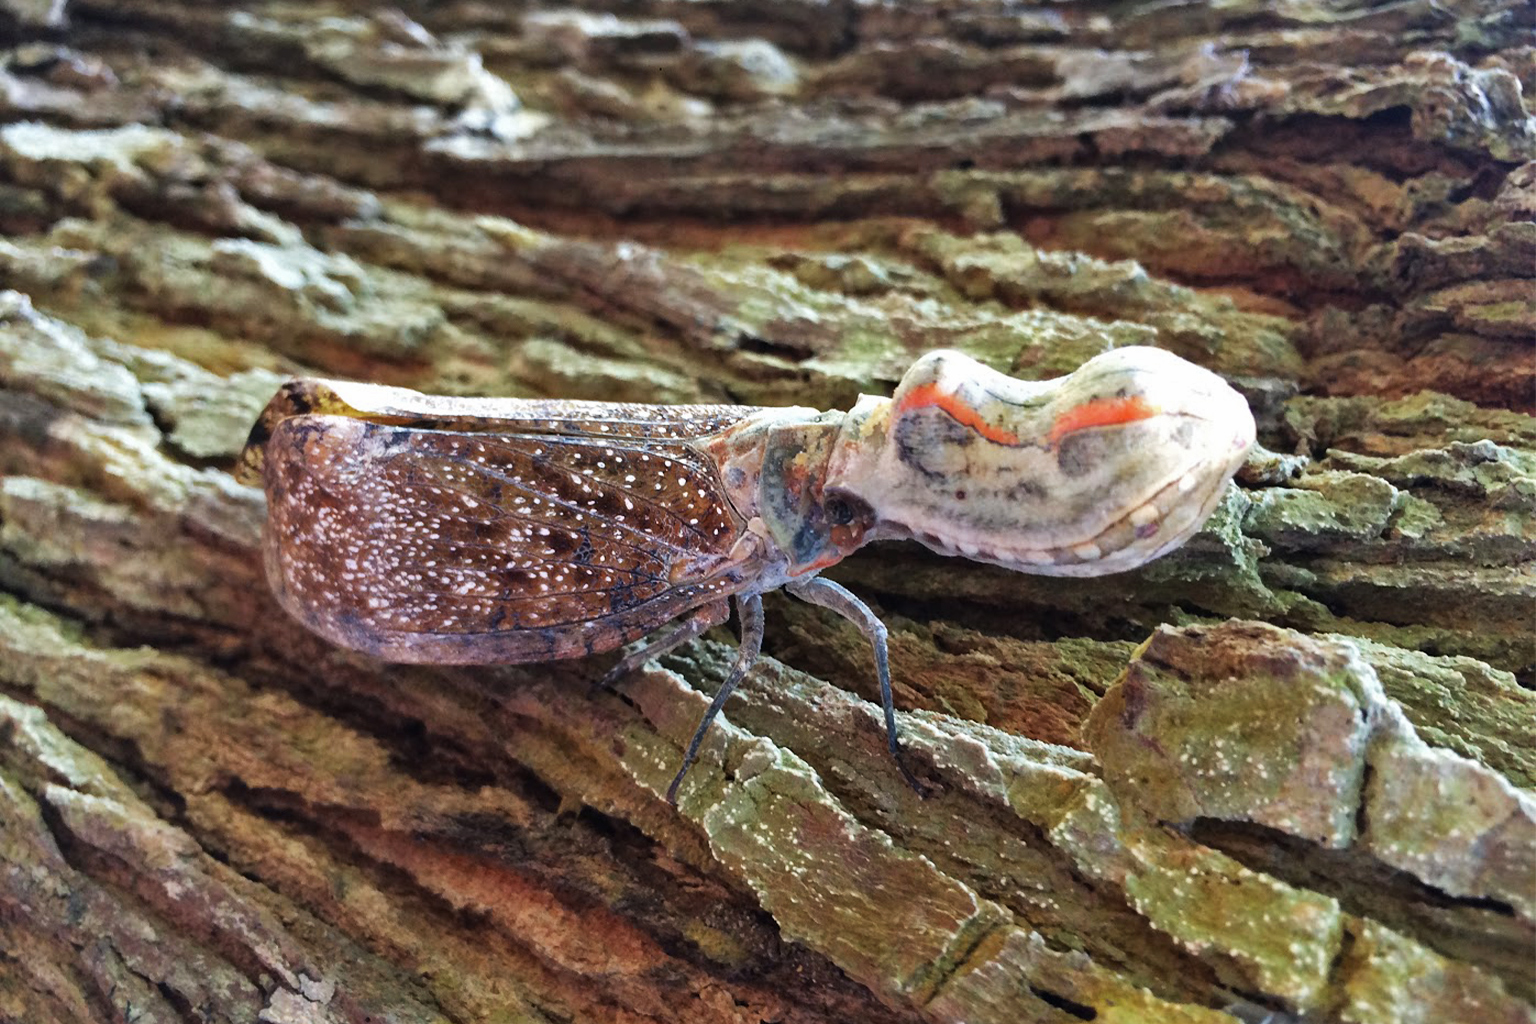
(843, 509)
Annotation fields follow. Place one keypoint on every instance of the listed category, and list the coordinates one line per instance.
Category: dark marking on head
(1080, 452)
(927, 441)
(1025, 491)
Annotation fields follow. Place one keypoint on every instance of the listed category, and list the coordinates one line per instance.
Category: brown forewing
(561, 529)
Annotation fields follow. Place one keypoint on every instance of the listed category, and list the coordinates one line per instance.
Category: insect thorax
(774, 467)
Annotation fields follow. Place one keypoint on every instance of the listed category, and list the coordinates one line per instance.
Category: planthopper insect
(478, 530)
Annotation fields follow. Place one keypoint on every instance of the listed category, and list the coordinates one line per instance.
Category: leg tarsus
(837, 598)
(750, 609)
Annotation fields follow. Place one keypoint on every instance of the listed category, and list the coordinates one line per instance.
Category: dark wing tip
(297, 397)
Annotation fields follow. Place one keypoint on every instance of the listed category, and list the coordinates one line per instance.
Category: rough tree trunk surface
(1306, 797)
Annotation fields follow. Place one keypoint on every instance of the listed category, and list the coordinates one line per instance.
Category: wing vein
(564, 503)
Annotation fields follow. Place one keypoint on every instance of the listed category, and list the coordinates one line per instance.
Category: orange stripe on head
(929, 395)
(1101, 412)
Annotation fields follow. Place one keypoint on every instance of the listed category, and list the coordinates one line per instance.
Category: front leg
(840, 599)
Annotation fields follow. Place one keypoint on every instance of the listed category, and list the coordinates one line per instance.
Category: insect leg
(750, 608)
(660, 643)
(840, 599)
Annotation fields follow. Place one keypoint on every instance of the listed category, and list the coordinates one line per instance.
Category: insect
(471, 530)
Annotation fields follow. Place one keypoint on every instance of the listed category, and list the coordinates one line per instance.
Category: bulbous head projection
(1092, 473)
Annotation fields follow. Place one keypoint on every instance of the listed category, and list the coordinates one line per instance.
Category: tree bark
(1283, 774)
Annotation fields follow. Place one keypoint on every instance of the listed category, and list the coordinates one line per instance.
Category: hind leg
(654, 646)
